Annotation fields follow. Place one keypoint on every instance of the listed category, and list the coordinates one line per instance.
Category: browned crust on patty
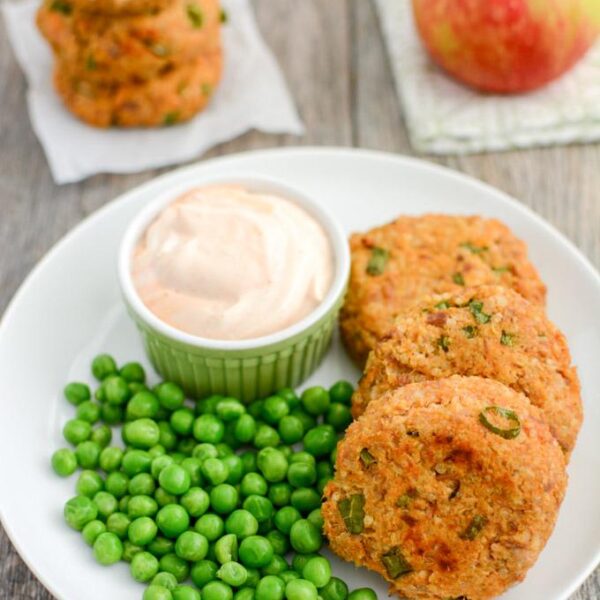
(435, 470)
(428, 254)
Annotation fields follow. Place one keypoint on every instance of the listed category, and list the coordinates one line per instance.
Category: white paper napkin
(444, 116)
(252, 94)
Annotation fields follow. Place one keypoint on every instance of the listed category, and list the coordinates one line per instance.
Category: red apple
(507, 46)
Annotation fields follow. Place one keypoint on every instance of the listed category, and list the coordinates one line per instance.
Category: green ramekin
(245, 369)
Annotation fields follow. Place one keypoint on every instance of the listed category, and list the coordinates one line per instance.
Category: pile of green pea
(212, 491)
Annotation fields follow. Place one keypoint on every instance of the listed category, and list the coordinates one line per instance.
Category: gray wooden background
(333, 56)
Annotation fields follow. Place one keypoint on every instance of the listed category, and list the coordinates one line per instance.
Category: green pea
(133, 372)
(88, 454)
(103, 365)
(88, 411)
(191, 546)
(336, 589)
(117, 484)
(315, 400)
(118, 523)
(136, 461)
(233, 573)
(196, 501)
(143, 404)
(302, 474)
(211, 526)
(229, 409)
(223, 498)
(255, 409)
(105, 503)
(274, 408)
(108, 549)
(174, 479)
(299, 561)
(316, 518)
(339, 416)
(159, 463)
(168, 437)
(256, 552)
(245, 428)
(305, 537)
(142, 484)
(116, 391)
(341, 391)
(291, 429)
(170, 395)
(102, 435)
(278, 541)
(76, 392)
(208, 428)
(280, 494)
(165, 579)
(208, 405)
(288, 576)
(160, 546)
(217, 590)
(270, 588)
(273, 464)
(290, 396)
(142, 531)
(215, 470)
(306, 499)
(266, 437)
(182, 421)
(277, 566)
(110, 458)
(226, 549)
(157, 450)
(203, 572)
(320, 440)
(235, 467)
(245, 593)
(77, 431)
(144, 566)
(241, 523)
(253, 577)
(254, 483)
(260, 507)
(157, 592)
(130, 550)
(92, 530)
(363, 594)
(110, 414)
(285, 518)
(301, 589)
(185, 592)
(318, 571)
(142, 433)
(171, 563)
(308, 421)
(64, 462)
(89, 484)
(172, 520)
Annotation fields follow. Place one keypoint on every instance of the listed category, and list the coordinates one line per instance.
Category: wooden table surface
(332, 54)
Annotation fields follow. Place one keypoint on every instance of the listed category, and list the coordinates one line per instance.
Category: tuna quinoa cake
(131, 49)
(396, 264)
(118, 7)
(173, 98)
(449, 489)
(488, 331)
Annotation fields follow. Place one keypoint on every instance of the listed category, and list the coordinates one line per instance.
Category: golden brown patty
(172, 98)
(435, 501)
(394, 265)
(489, 331)
(133, 48)
(110, 7)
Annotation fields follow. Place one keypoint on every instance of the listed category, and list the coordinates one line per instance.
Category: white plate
(69, 309)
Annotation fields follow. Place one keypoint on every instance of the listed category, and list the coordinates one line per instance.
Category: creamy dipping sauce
(226, 263)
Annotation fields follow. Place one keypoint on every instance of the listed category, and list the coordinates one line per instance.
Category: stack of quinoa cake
(449, 482)
(134, 63)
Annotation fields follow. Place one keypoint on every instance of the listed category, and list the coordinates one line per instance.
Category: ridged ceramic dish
(246, 369)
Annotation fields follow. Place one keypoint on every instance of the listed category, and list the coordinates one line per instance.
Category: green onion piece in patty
(458, 279)
(367, 458)
(224, 16)
(378, 260)
(478, 522)
(476, 308)
(470, 331)
(406, 498)
(395, 564)
(171, 118)
(194, 13)
(62, 7)
(353, 513)
(501, 270)
(444, 343)
(444, 304)
(507, 339)
(473, 248)
(505, 413)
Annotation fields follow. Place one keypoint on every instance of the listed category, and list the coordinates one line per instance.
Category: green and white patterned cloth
(445, 117)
